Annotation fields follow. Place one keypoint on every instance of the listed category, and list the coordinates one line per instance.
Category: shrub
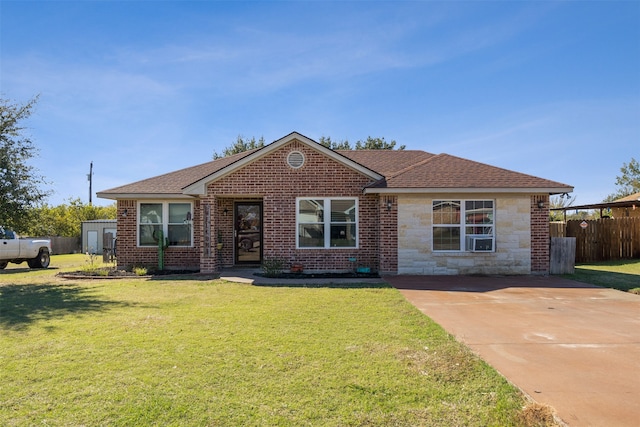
(273, 266)
(140, 271)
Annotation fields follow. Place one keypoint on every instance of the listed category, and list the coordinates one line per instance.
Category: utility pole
(90, 179)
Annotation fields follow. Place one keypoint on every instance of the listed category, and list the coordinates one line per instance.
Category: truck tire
(3, 265)
(41, 261)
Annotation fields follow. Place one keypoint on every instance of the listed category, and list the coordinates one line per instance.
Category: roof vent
(295, 159)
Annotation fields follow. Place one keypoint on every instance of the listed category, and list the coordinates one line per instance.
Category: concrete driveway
(566, 344)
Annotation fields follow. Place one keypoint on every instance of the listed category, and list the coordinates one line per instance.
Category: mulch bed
(349, 275)
(110, 273)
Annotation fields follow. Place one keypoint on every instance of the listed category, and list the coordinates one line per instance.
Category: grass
(213, 353)
(622, 275)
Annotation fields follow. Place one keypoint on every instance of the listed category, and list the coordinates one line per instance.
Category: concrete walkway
(566, 344)
(248, 275)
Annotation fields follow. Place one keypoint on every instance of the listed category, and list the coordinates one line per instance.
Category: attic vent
(295, 159)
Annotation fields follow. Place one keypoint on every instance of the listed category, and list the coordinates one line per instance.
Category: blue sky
(143, 88)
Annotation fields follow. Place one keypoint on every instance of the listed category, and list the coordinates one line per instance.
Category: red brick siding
(540, 234)
(271, 180)
(130, 255)
(388, 234)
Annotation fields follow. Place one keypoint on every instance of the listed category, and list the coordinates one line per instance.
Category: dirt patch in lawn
(537, 415)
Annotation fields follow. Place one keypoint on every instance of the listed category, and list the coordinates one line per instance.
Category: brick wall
(130, 255)
(540, 234)
(277, 185)
(388, 235)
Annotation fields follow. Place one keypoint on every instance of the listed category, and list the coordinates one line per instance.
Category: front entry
(248, 232)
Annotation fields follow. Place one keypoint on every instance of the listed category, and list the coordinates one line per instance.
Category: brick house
(395, 212)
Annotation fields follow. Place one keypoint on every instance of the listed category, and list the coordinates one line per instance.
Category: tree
(241, 145)
(628, 182)
(20, 185)
(377, 144)
(327, 142)
(370, 143)
(65, 220)
(558, 202)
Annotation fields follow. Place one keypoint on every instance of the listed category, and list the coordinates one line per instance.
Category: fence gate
(563, 255)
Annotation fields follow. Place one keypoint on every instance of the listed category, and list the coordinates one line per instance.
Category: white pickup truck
(17, 250)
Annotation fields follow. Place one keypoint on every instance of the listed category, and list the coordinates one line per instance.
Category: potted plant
(297, 267)
(220, 244)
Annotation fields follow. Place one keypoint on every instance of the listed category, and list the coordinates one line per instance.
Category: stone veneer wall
(513, 238)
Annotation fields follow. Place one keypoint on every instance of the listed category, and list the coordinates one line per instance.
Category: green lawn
(622, 275)
(212, 353)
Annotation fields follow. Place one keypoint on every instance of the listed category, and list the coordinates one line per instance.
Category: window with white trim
(172, 220)
(463, 225)
(317, 229)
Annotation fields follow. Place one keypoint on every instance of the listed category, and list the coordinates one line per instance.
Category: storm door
(248, 232)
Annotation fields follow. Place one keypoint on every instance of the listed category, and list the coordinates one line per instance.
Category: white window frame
(165, 220)
(327, 222)
(462, 226)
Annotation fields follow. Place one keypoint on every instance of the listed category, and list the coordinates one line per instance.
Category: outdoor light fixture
(389, 204)
(225, 211)
(540, 204)
(124, 213)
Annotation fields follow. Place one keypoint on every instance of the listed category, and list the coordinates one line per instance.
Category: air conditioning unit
(479, 244)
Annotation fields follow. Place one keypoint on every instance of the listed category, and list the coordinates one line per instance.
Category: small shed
(93, 235)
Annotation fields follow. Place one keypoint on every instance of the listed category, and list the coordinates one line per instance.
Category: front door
(248, 232)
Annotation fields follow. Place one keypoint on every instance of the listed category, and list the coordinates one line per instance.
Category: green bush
(273, 266)
(140, 271)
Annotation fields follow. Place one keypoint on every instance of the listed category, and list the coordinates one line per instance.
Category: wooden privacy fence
(65, 245)
(602, 239)
(557, 229)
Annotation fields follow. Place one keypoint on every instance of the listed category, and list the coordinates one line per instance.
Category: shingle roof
(386, 162)
(446, 171)
(402, 169)
(630, 198)
(174, 182)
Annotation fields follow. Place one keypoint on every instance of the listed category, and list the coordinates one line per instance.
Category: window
(337, 229)
(172, 219)
(463, 225)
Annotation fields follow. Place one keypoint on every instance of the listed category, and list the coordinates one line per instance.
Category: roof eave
(159, 196)
(442, 190)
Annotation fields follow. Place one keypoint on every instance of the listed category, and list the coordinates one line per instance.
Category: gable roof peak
(199, 187)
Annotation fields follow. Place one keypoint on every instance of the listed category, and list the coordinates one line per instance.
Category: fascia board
(439, 190)
(140, 196)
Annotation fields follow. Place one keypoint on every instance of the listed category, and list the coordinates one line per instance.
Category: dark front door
(248, 232)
